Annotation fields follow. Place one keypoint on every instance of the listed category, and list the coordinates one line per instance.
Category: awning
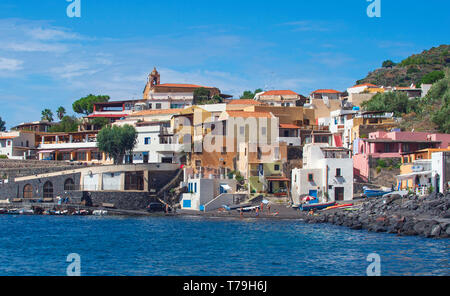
(408, 176)
(277, 179)
(46, 151)
(108, 115)
(87, 149)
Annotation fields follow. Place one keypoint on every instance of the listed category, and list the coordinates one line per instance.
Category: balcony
(73, 145)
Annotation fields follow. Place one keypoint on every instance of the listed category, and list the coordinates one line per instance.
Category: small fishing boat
(375, 192)
(26, 212)
(317, 206)
(13, 212)
(100, 213)
(249, 209)
(339, 206)
(81, 213)
(3, 211)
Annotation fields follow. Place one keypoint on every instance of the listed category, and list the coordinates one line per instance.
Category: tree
(390, 102)
(248, 94)
(117, 141)
(2, 125)
(47, 114)
(67, 124)
(432, 77)
(99, 122)
(86, 105)
(388, 64)
(60, 112)
(439, 95)
(202, 96)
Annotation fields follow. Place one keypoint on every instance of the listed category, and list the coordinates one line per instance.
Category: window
(263, 131)
(198, 163)
(338, 172)
(242, 130)
(276, 167)
(69, 185)
(147, 140)
(48, 189)
(28, 191)
(405, 147)
(158, 106)
(310, 177)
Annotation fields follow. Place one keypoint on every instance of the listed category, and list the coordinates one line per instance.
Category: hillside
(412, 69)
(428, 114)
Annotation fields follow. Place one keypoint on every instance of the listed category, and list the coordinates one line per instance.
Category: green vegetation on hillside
(412, 69)
(390, 102)
(431, 113)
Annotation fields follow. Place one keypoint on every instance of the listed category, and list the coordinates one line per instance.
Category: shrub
(381, 163)
(3, 157)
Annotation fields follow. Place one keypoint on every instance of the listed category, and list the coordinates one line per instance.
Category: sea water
(39, 245)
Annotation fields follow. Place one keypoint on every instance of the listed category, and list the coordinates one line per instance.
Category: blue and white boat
(375, 192)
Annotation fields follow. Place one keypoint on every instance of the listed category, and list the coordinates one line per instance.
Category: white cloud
(52, 34)
(10, 64)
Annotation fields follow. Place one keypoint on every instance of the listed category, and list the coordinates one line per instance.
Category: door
(145, 157)
(338, 193)
(314, 194)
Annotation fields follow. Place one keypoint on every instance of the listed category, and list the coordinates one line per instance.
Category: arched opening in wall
(28, 191)
(48, 189)
(69, 185)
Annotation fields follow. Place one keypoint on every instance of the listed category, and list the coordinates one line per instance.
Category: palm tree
(2, 125)
(47, 114)
(60, 112)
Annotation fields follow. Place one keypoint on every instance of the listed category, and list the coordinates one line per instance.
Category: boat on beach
(375, 192)
(316, 206)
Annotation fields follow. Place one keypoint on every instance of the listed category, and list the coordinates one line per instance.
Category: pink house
(383, 144)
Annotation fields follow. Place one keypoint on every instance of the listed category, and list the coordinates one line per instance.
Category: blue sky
(48, 59)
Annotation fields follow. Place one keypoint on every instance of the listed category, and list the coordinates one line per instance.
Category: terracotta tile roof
(279, 93)
(8, 137)
(246, 114)
(288, 125)
(365, 84)
(326, 91)
(157, 112)
(182, 85)
(244, 102)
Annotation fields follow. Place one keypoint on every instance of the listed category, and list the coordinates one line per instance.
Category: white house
(357, 89)
(17, 144)
(327, 174)
(208, 194)
(155, 144)
(440, 167)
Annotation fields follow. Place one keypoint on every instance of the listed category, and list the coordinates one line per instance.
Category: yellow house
(415, 170)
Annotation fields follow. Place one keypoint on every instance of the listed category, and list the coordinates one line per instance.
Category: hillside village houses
(281, 144)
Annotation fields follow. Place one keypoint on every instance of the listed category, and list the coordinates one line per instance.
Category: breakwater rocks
(427, 216)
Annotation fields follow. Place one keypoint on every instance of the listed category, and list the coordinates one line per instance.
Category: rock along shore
(427, 216)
